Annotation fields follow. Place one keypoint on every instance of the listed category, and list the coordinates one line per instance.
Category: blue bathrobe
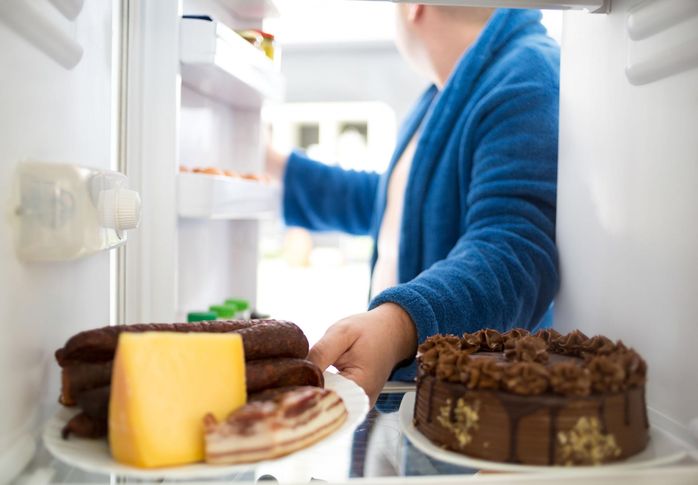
(477, 240)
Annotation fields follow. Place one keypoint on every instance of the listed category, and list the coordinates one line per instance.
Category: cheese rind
(163, 384)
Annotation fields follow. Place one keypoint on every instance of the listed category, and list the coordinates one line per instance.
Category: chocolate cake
(543, 399)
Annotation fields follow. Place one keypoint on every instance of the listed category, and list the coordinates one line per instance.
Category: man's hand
(275, 163)
(366, 347)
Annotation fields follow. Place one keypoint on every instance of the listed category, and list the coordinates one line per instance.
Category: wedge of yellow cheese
(163, 384)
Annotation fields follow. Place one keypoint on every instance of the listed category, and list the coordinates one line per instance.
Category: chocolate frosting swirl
(471, 342)
(526, 378)
(428, 360)
(549, 335)
(571, 344)
(446, 367)
(514, 335)
(492, 340)
(482, 373)
(570, 379)
(527, 349)
(598, 345)
(635, 367)
(429, 352)
(605, 367)
(440, 342)
(606, 374)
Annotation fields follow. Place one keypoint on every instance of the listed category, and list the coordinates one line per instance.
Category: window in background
(308, 135)
(316, 279)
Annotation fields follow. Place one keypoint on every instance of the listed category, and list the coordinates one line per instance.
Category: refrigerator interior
(217, 257)
(627, 204)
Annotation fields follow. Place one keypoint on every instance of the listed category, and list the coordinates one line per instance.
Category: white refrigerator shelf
(205, 196)
(250, 9)
(217, 62)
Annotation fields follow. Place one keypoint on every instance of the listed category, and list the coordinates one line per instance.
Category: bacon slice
(281, 422)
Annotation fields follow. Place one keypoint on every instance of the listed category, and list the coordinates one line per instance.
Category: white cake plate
(662, 449)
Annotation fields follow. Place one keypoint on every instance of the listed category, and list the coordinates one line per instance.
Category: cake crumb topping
(585, 444)
(466, 417)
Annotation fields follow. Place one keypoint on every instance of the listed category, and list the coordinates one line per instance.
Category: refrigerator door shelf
(205, 196)
(250, 9)
(63, 212)
(217, 62)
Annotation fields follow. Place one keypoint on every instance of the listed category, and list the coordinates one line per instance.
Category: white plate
(662, 449)
(94, 456)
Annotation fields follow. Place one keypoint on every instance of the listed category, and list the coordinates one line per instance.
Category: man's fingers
(364, 382)
(330, 348)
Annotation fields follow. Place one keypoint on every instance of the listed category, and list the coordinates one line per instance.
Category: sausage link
(272, 373)
(82, 376)
(261, 339)
(83, 426)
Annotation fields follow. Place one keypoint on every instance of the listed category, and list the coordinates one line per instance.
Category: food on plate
(274, 351)
(84, 426)
(260, 375)
(272, 373)
(277, 423)
(543, 399)
(162, 385)
(78, 377)
(231, 173)
(184, 169)
(95, 402)
(262, 339)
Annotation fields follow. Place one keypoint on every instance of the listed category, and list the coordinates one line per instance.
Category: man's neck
(448, 46)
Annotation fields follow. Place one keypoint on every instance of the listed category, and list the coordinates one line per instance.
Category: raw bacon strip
(264, 429)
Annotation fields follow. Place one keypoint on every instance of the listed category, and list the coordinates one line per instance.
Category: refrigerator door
(627, 214)
(56, 105)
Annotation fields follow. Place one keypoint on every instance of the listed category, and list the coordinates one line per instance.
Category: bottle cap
(201, 316)
(223, 311)
(240, 304)
(119, 209)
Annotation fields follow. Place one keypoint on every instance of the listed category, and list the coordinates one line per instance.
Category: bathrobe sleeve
(502, 272)
(324, 198)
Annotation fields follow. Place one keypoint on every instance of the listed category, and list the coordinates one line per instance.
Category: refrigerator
(130, 90)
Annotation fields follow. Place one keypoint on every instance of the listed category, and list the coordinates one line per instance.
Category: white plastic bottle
(63, 212)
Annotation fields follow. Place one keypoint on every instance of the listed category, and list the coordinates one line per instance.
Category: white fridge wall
(48, 113)
(627, 218)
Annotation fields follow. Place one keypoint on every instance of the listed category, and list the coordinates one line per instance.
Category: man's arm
(501, 273)
(324, 198)
(503, 270)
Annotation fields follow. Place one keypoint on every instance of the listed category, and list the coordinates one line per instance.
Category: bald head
(432, 38)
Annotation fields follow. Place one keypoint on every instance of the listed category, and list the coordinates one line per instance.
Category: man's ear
(415, 12)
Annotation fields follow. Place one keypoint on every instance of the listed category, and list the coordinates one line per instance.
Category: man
(464, 218)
